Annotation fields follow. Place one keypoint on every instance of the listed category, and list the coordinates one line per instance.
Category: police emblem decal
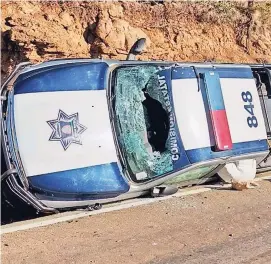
(66, 129)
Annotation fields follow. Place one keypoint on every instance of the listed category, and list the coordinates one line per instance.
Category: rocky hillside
(180, 31)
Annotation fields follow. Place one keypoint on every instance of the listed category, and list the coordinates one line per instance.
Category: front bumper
(14, 176)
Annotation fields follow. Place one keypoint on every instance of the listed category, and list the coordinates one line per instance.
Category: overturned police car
(76, 132)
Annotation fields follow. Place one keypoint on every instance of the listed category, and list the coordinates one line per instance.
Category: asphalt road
(220, 226)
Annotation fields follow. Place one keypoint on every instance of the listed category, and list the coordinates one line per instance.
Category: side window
(267, 100)
(264, 90)
(192, 174)
(268, 84)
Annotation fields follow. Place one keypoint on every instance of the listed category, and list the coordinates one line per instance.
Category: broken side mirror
(136, 49)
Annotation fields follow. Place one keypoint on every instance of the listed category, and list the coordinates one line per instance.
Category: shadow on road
(14, 210)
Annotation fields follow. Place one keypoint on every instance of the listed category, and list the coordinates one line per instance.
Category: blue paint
(204, 154)
(68, 77)
(105, 180)
(244, 73)
(231, 72)
(182, 73)
(214, 92)
(183, 160)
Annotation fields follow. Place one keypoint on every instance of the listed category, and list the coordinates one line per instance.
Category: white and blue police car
(76, 132)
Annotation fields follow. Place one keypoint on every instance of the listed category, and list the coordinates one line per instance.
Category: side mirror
(136, 49)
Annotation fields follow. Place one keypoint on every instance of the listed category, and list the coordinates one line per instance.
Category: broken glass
(133, 121)
(192, 174)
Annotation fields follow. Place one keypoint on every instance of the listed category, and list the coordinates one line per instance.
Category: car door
(218, 112)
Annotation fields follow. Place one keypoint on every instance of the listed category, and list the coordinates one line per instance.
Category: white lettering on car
(174, 149)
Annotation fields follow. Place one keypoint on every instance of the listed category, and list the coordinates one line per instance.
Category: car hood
(63, 130)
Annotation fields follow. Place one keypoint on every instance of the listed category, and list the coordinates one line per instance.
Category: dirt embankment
(180, 31)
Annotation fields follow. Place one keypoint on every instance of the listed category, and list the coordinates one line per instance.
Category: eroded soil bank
(180, 31)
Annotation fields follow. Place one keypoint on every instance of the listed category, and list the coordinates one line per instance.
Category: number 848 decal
(247, 98)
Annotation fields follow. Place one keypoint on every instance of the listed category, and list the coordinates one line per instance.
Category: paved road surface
(220, 226)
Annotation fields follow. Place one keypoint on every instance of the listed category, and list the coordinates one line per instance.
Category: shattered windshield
(142, 116)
